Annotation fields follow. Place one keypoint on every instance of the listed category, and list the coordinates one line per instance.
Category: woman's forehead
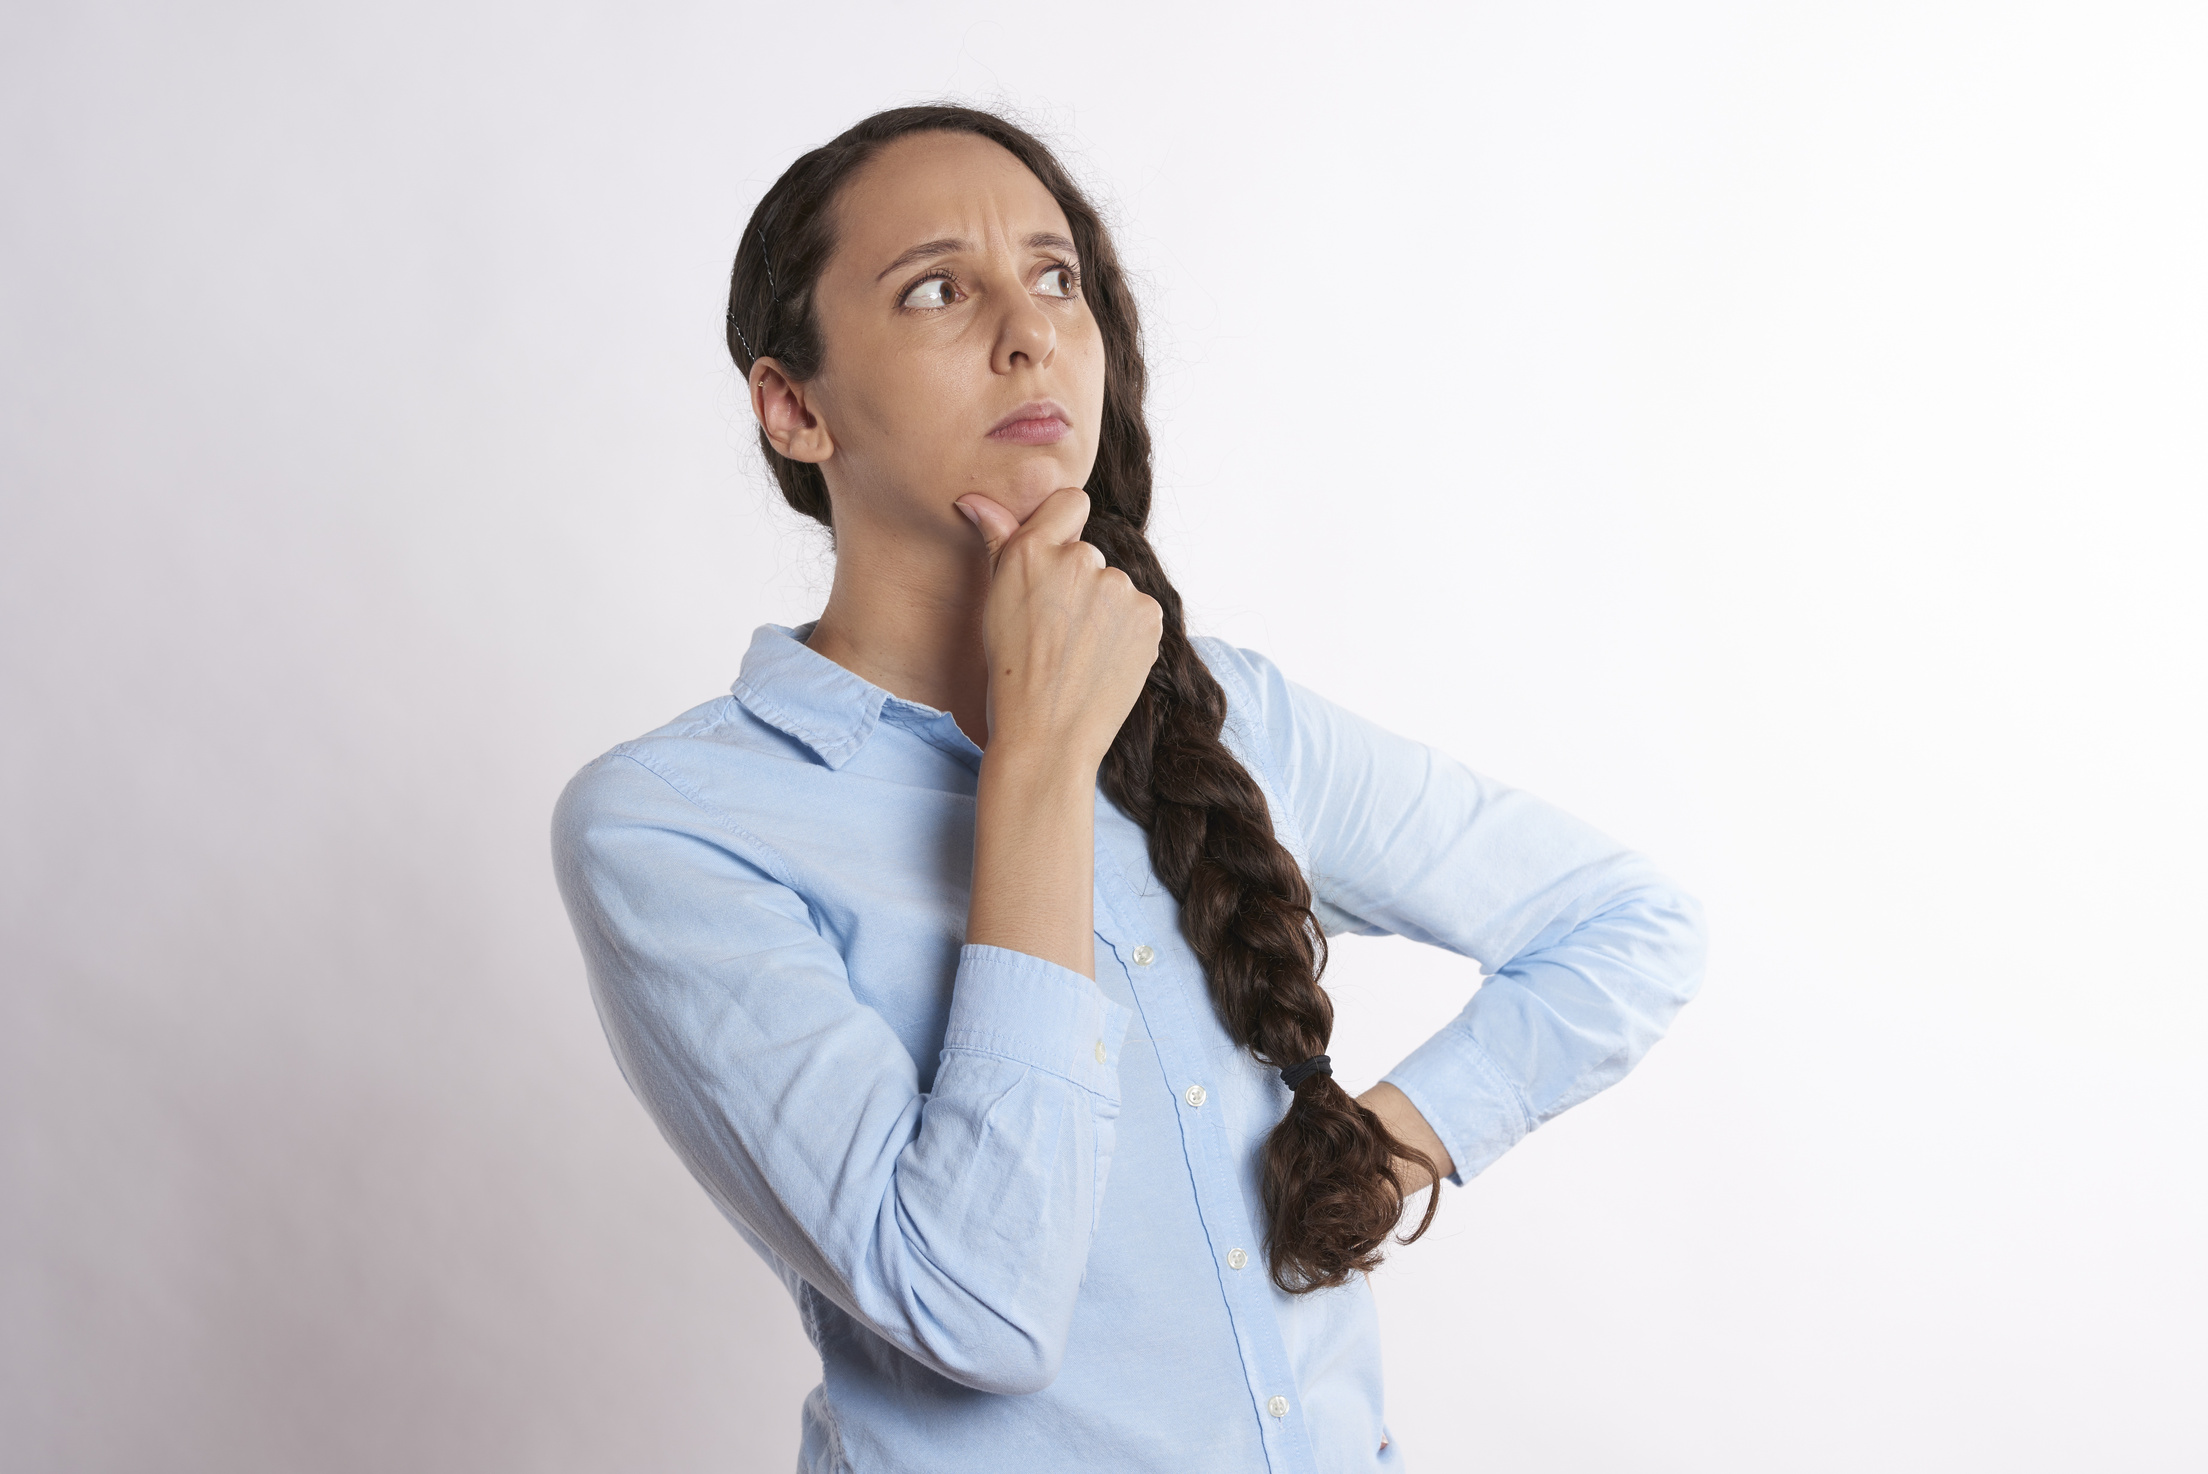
(940, 186)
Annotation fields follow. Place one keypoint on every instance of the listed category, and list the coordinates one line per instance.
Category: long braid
(1331, 1187)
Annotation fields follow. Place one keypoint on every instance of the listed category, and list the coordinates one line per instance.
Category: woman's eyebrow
(1039, 241)
(922, 252)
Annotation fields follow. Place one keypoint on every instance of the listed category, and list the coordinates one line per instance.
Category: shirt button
(1196, 1095)
(1144, 955)
(1103, 1055)
(1278, 1407)
(1236, 1258)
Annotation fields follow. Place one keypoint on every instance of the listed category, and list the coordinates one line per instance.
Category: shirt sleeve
(956, 1224)
(1591, 952)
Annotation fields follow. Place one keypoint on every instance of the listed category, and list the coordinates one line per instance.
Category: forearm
(1035, 857)
(1565, 1017)
(1405, 1124)
(801, 1110)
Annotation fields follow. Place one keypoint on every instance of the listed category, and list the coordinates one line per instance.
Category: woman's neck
(905, 614)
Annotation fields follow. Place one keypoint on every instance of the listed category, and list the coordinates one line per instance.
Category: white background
(1773, 432)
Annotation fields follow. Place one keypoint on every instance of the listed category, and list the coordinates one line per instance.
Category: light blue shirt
(1018, 1210)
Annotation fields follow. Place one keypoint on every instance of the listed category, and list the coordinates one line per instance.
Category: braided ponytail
(1333, 1188)
(1331, 1185)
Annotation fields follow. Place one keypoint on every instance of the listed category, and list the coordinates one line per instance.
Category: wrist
(1039, 762)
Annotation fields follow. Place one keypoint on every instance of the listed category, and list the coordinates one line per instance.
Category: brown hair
(1331, 1188)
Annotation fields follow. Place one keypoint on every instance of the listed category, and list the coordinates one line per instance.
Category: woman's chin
(1019, 485)
(1031, 481)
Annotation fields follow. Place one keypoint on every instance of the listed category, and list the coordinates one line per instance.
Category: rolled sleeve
(1034, 1012)
(1464, 1095)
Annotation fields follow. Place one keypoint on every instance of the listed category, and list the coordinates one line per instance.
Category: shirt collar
(797, 690)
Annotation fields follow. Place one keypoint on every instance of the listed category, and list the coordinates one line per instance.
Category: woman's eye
(1057, 282)
(936, 291)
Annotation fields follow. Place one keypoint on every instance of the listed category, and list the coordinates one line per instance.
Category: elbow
(1010, 1364)
(1674, 942)
(995, 1345)
(1659, 936)
(1693, 931)
(1008, 1344)
(1017, 1377)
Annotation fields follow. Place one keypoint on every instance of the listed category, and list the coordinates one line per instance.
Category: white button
(1236, 1258)
(1278, 1407)
(1144, 956)
(1196, 1095)
(1103, 1055)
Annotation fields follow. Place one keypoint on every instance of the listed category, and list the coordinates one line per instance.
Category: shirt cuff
(1465, 1096)
(1036, 1013)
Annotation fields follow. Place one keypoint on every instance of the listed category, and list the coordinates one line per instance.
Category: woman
(968, 952)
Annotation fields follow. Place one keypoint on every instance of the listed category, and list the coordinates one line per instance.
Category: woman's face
(958, 353)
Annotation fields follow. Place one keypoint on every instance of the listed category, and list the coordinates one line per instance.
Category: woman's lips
(1041, 423)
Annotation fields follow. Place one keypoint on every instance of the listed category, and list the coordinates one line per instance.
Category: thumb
(990, 519)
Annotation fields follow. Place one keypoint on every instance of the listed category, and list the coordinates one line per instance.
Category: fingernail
(971, 516)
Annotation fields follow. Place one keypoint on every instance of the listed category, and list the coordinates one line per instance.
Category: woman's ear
(792, 427)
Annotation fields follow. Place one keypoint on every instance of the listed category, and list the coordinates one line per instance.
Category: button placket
(1177, 1015)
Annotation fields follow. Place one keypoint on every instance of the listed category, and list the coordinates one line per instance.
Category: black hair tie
(1295, 1075)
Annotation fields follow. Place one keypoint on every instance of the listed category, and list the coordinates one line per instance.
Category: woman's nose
(1025, 333)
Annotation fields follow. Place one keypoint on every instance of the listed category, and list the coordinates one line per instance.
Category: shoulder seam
(1223, 672)
(771, 859)
(1259, 745)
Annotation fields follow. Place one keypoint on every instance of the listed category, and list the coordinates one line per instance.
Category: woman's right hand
(1070, 641)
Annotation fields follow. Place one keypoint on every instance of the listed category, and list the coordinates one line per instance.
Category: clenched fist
(1069, 640)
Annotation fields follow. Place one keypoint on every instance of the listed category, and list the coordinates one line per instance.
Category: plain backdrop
(1774, 432)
